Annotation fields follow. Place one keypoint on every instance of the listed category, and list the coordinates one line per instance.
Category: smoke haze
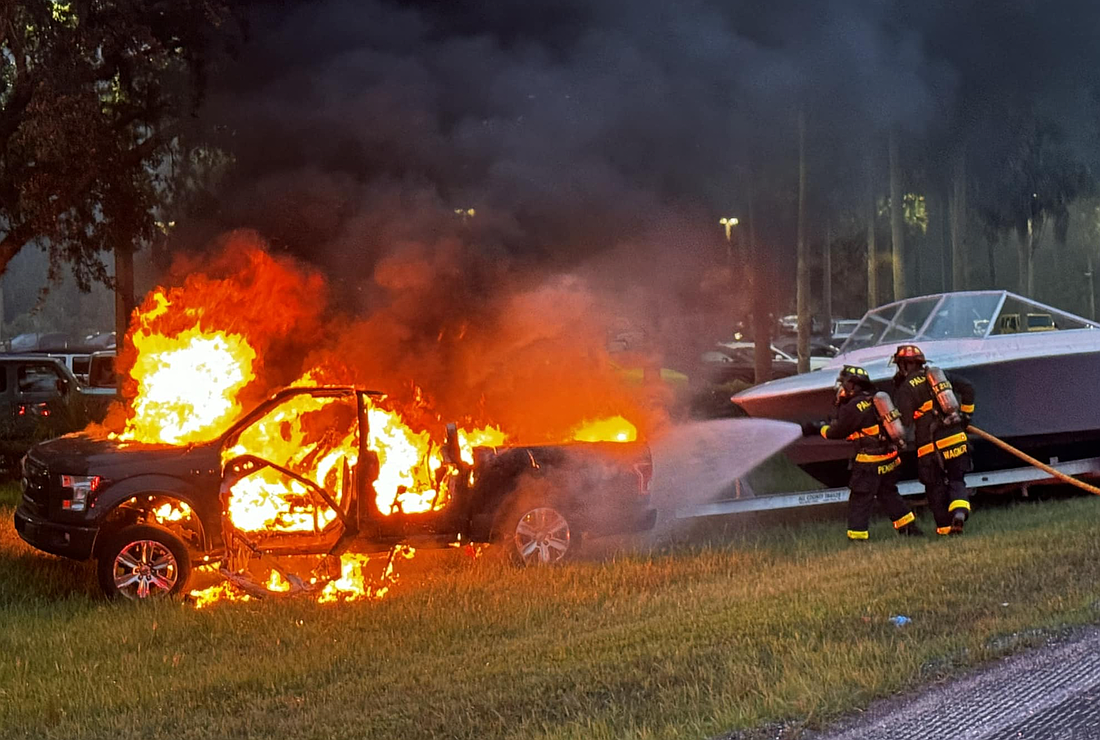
(604, 139)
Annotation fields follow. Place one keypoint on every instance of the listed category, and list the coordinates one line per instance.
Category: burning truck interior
(294, 492)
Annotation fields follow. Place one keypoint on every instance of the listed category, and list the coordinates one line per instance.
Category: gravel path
(1050, 693)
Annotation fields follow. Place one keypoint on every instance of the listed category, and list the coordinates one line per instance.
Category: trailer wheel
(538, 534)
(141, 562)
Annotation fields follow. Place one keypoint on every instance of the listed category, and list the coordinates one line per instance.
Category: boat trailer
(745, 499)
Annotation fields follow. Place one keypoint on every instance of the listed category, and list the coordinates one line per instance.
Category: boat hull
(1049, 406)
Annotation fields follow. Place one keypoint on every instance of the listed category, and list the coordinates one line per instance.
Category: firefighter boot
(957, 521)
(910, 530)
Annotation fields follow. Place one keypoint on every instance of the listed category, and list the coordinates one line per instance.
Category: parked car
(789, 325)
(101, 371)
(821, 350)
(729, 361)
(76, 355)
(39, 398)
(95, 498)
(842, 329)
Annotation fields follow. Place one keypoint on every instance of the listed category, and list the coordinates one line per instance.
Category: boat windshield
(965, 315)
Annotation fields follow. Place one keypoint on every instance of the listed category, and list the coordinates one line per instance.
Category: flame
(315, 437)
(276, 583)
(172, 511)
(187, 382)
(195, 356)
(203, 598)
(353, 585)
(613, 429)
(489, 436)
(411, 476)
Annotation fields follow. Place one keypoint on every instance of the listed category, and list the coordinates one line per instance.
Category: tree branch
(22, 86)
(12, 242)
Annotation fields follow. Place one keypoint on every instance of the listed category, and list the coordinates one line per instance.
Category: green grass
(783, 623)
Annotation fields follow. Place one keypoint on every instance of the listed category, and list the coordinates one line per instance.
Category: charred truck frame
(148, 513)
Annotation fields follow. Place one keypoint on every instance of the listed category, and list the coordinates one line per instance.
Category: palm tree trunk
(761, 329)
(803, 271)
(124, 294)
(872, 251)
(992, 244)
(897, 220)
(827, 286)
(958, 220)
(1025, 279)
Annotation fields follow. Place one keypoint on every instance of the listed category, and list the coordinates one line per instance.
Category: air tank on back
(942, 391)
(889, 417)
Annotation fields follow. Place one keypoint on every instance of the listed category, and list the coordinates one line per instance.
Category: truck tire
(141, 561)
(538, 533)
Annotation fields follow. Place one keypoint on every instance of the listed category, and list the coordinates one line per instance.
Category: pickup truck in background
(146, 513)
(40, 398)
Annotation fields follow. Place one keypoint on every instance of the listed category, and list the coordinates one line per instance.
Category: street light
(465, 213)
(729, 222)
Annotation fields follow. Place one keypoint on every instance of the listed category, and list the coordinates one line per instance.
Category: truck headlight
(78, 490)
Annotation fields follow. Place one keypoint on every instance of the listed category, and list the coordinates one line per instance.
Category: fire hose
(1032, 461)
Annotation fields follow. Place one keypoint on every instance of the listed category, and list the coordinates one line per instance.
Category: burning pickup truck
(318, 472)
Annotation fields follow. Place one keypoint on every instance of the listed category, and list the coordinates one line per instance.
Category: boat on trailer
(1036, 374)
(1035, 370)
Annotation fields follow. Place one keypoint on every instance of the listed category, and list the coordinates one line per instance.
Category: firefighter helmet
(854, 373)
(908, 353)
(851, 379)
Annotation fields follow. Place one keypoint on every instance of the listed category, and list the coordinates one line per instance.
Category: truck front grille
(36, 486)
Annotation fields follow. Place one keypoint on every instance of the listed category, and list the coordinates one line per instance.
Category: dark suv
(40, 398)
(147, 512)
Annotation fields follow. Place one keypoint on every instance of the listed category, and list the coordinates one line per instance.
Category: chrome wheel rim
(542, 537)
(145, 569)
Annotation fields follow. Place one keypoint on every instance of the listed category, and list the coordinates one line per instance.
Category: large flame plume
(198, 356)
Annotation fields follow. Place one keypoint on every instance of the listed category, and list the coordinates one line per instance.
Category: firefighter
(943, 455)
(876, 461)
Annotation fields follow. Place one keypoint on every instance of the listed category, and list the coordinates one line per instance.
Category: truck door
(291, 474)
(415, 487)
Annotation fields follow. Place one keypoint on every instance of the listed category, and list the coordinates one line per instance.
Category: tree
(897, 219)
(761, 319)
(871, 207)
(92, 95)
(957, 217)
(1032, 186)
(802, 276)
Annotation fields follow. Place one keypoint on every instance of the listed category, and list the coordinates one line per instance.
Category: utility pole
(958, 220)
(802, 275)
(897, 219)
(827, 288)
(761, 326)
(872, 251)
(1091, 275)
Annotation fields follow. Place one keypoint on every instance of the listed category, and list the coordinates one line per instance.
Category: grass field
(788, 623)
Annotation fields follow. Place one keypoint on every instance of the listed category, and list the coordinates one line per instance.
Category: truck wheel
(538, 534)
(143, 562)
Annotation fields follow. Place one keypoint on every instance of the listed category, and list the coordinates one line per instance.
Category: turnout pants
(945, 487)
(868, 482)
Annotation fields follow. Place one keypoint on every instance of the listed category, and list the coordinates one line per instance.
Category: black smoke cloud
(610, 133)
